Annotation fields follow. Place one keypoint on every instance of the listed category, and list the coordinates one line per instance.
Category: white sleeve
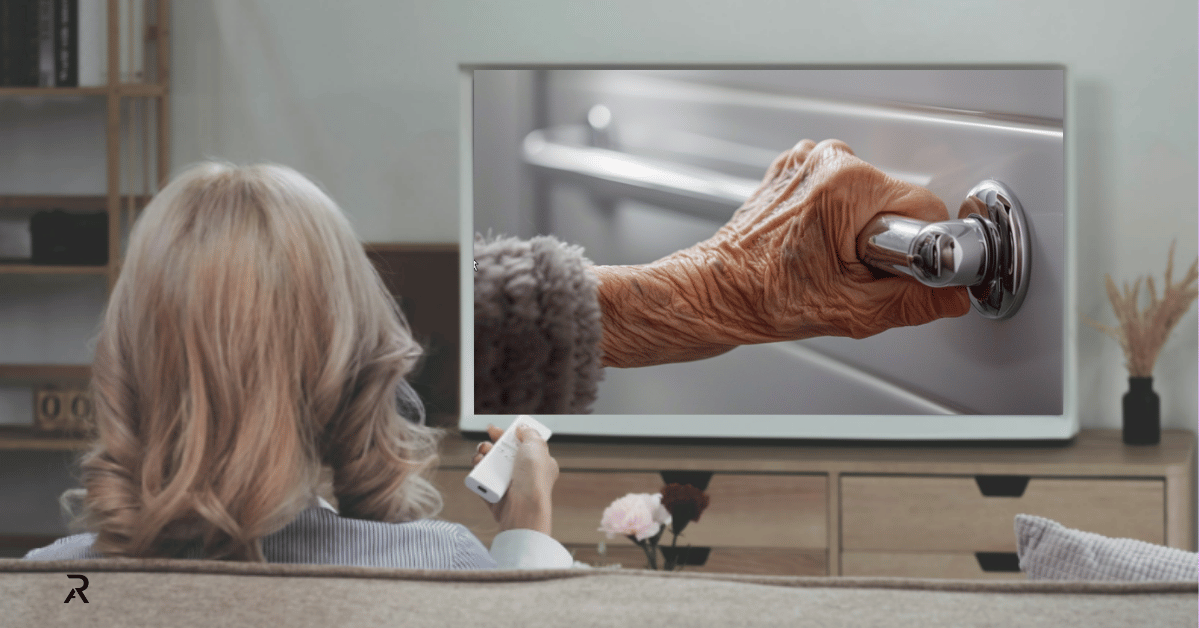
(529, 549)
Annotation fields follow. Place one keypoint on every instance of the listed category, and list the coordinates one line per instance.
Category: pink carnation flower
(640, 515)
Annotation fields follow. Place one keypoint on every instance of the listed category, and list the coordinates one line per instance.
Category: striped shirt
(319, 535)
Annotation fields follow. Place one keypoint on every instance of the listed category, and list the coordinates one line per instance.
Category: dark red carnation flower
(685, 503)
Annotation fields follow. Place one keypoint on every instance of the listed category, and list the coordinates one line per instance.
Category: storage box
(65, 238)
(15, 241)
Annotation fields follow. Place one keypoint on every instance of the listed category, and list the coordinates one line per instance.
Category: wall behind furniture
(364, 96)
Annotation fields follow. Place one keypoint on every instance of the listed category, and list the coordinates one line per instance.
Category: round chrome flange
(1006, 281)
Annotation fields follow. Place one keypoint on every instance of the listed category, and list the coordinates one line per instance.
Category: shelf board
(35, 269)
(52, 201)
(131, 90)
(53, 91)
(37, 374)
(75, 202)
(26, 438)
(142, 90)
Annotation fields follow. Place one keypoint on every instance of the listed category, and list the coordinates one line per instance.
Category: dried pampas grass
(1142, 334)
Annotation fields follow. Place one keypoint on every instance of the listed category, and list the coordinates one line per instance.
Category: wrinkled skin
(785, 267)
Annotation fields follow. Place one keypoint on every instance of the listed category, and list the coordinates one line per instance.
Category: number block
(63, 410)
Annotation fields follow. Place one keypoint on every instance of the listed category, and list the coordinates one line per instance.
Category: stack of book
(63, 43)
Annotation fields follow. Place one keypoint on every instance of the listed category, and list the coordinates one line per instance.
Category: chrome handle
(987, 250)
(937, 254)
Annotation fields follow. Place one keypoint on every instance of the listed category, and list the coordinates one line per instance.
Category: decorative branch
(1142, 333)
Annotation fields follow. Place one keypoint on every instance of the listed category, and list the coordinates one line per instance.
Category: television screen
(636, 164)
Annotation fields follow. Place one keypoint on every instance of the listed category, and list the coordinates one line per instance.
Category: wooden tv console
(864, 510)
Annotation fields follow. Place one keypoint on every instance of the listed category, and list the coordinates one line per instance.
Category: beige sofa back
(179, 594)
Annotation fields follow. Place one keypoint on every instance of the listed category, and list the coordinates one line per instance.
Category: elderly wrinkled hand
(785, 267)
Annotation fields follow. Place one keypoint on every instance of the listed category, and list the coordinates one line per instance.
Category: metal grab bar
(690, 189)
(573, 151)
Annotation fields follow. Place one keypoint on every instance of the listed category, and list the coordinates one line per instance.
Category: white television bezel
(837, 427)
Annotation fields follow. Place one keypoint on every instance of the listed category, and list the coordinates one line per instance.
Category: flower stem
(649, 550)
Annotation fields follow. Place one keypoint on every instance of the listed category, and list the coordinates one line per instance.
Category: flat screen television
(634, 163)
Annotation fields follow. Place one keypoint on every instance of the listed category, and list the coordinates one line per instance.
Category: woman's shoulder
(314, 520)
(67, 548)
(322, 536)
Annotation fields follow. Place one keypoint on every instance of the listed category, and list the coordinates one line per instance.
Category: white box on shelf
(16, 243)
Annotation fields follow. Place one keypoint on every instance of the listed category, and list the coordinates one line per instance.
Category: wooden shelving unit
(146, 112)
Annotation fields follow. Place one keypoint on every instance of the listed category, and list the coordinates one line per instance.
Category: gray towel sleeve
(537, 327)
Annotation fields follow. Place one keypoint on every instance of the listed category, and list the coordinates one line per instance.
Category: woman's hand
(785, 267)
(526, 504)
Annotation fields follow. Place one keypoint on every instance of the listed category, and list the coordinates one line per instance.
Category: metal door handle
(987, 251)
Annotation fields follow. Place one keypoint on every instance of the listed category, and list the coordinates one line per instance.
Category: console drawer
(746, 510)
(942, 513)
(956, 565)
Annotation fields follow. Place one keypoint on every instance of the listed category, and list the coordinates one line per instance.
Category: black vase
(1139, 413)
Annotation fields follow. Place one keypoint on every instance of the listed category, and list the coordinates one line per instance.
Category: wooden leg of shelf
(162, 168)
(834, 524)
(113, 152)
(163, 77)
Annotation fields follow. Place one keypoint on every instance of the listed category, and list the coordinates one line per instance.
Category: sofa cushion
(1049, 551)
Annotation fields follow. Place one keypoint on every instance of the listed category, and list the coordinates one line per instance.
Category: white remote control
(491, 477)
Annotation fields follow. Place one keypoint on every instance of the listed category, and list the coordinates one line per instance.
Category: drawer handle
(1002, 485)
(998, 562)
(687, 556)
(698, 479)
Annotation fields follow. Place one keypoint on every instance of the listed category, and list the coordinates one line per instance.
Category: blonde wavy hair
(248, 343)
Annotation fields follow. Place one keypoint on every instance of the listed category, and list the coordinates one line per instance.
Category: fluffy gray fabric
(537, 327)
